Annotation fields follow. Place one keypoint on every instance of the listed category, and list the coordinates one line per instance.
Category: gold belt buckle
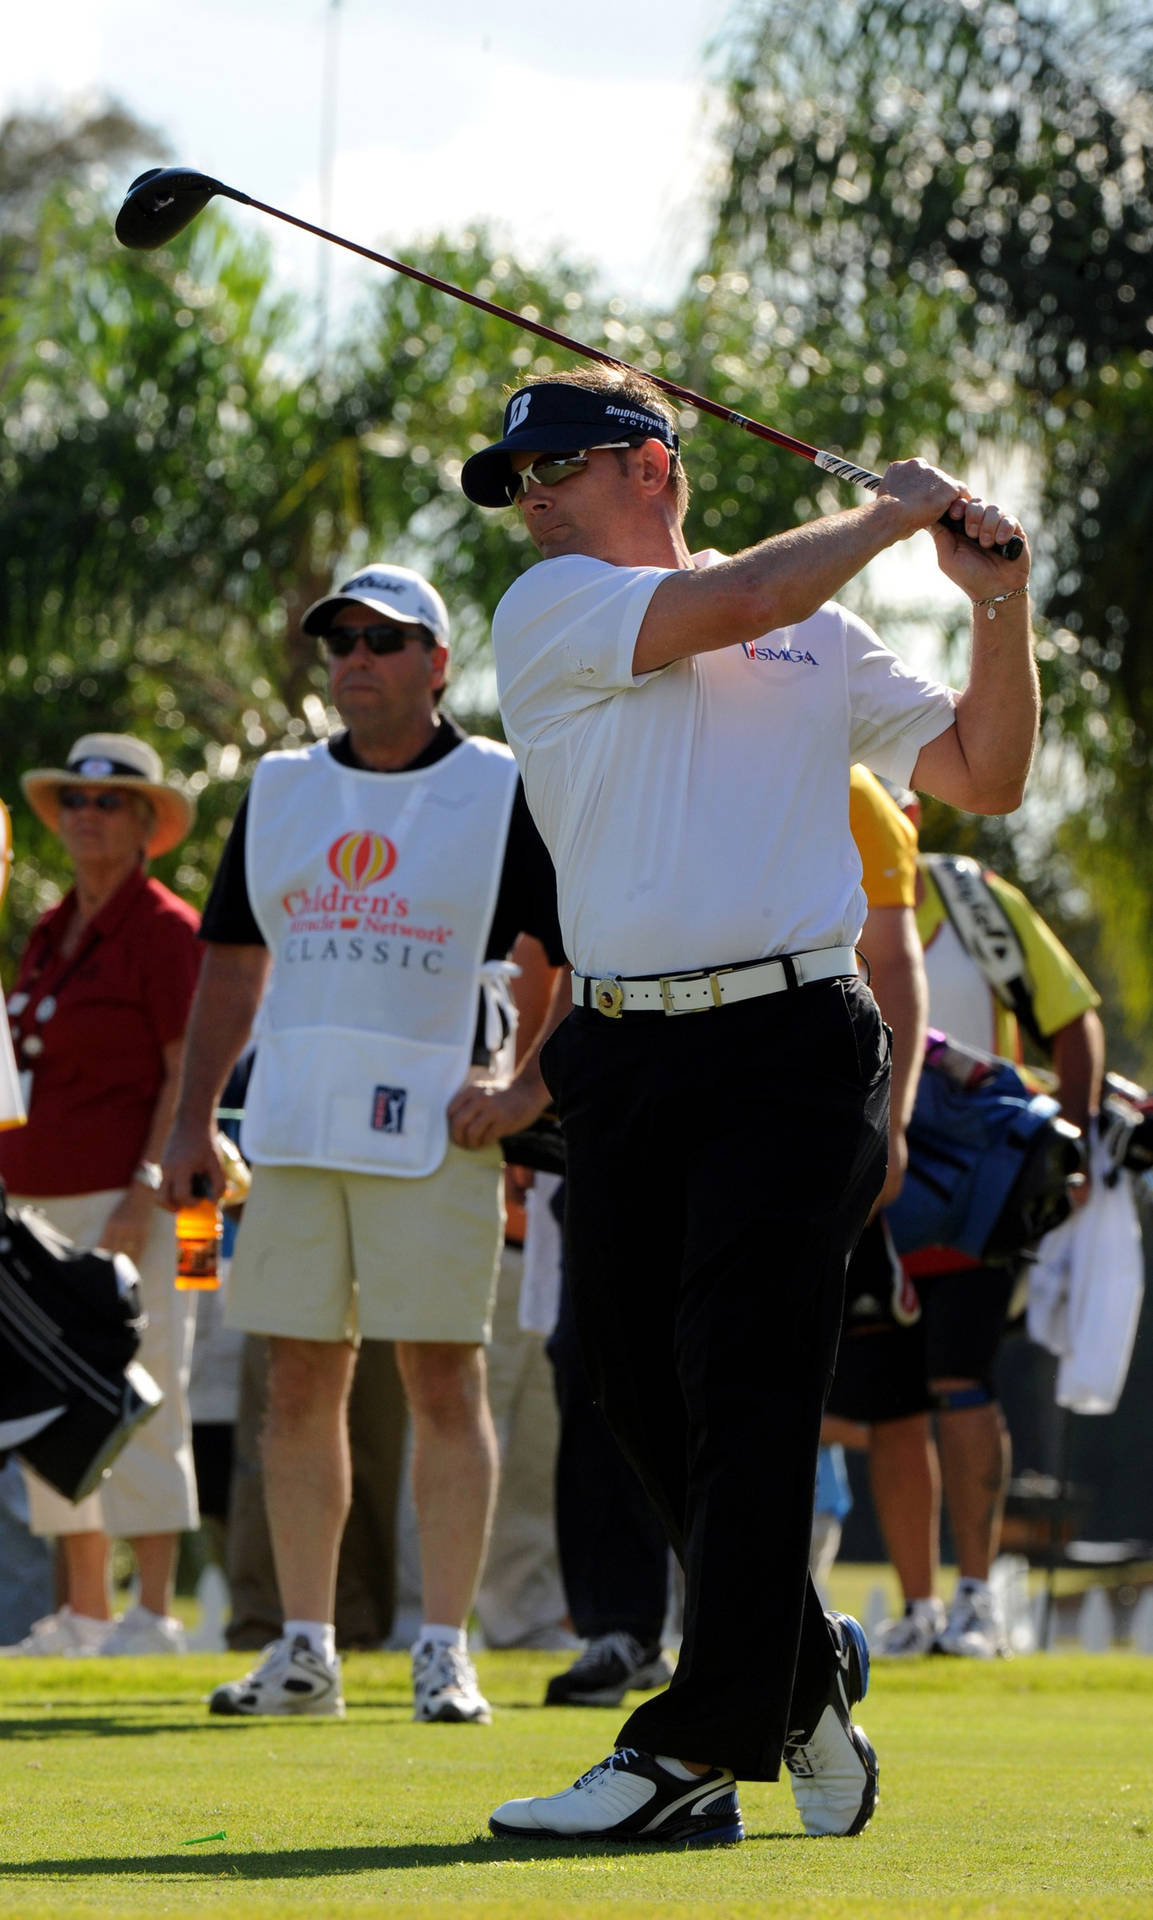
(670, 981)
(609, 996)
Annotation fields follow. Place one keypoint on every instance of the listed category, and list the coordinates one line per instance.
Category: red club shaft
(544, 332)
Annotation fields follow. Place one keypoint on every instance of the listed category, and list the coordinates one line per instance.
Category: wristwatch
(149, 1174)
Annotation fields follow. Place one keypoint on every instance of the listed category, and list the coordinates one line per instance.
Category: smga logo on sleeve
(758, 650)
(388, 1105)
(360, 859)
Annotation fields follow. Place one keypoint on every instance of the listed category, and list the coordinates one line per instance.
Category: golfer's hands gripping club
(970, 535)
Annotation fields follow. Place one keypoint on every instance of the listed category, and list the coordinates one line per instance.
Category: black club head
(162, 202)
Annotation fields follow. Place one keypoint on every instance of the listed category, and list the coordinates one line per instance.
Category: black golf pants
(721, 1165)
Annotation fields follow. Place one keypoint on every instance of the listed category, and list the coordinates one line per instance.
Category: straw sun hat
(114, 760)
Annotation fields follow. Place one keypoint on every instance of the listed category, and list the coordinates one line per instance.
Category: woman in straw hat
(98, 1016)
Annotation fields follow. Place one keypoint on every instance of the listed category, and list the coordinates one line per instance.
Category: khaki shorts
(152, 1484)
(324, 1255)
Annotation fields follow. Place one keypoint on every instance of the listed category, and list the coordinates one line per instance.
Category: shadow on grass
(103, 1726)
(309, 1863)
(48, 1726)
(49, 1722)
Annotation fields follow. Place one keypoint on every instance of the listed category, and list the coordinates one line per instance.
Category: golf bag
(989, 1162)
(71, 1394)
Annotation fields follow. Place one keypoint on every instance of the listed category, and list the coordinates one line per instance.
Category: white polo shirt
(699, 815)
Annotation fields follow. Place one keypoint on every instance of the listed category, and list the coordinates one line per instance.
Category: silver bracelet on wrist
(996, 599)
(149, 1175)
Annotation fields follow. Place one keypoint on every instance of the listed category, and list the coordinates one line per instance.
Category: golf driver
(162, 202)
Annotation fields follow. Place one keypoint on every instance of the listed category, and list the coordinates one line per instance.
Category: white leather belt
(723, 987)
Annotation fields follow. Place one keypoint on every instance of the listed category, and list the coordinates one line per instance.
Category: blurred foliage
(933, 230)
(935, 227)
(175, 490)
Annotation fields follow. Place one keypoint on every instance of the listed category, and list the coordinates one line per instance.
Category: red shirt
(112, 1007)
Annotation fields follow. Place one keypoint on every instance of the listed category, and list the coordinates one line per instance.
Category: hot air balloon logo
(360, 859)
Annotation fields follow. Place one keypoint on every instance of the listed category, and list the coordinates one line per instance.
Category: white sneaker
(63, 1634)
(291, 1679)
(973, 1628)
(631, 1796)
(832, 1766)
(139, 1630)
(915, 1632)
(444, 1685)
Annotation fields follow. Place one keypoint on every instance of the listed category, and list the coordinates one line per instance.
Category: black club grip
(1010, 550)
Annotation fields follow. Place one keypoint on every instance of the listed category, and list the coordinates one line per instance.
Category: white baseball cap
(396, 592)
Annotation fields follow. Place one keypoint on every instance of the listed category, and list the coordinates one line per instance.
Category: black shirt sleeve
(228, 917)
(526, 898)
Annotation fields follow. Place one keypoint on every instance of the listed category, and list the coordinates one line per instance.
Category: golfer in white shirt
(685, 728)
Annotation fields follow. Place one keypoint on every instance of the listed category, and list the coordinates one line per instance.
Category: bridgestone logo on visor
(638, 419)
(518, 411)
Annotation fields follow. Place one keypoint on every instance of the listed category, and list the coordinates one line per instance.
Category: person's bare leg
(975, 1457)
(307, 1475)
(905, 1479)
(85, 1557)
(156, 1566)
(454, 1470)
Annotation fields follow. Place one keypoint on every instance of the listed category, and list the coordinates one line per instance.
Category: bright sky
(584, 128)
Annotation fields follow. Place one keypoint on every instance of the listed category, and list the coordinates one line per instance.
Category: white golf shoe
(444, 1685)
(139, 1631)
(61, 1635)
(915, 1632)
(631, 1797)
(291, 1680)
(973, 1629)
(832, 1766)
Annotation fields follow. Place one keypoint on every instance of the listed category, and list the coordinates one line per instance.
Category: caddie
(369, 893)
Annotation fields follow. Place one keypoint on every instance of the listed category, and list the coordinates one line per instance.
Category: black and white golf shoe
(832, 1766)
(631, 1797)
(610, 1666)
(291, 1680)
(445, 1686)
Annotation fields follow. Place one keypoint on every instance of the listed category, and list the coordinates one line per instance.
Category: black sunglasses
(73, 801)
(380, 638)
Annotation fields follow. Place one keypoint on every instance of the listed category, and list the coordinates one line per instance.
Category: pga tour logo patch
(388, 1104)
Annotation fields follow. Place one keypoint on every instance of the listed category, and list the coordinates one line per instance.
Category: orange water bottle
(198, 1231)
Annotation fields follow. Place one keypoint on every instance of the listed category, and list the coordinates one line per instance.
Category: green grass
(1021, 1789)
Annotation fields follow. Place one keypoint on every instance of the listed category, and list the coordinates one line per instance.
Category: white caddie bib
(374, 893)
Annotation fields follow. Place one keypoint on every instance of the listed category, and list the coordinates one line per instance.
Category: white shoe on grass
(140, 1631)
(832, 1766)
(445, 1686)
(292, 1680)
(915, 1632)
(61, 1635)
(973, 1629)
(631, 1797)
